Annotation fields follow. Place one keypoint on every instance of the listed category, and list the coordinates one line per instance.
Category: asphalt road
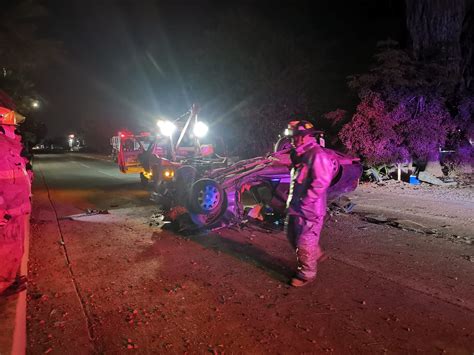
(113, 282)
(87, 181)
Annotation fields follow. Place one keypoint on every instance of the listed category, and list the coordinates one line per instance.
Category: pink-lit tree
(404, 111)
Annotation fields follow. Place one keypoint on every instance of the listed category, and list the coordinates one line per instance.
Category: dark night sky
(125, 60)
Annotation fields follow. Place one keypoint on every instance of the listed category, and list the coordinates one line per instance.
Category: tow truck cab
(129, 148)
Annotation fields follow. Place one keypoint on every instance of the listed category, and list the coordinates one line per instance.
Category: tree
(442, 31)
(23, 53)
(404, 110)
(435, 28)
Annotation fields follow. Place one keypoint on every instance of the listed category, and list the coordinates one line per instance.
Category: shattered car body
(224, 196)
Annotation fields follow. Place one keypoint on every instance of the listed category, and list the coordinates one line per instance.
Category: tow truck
(172, 155)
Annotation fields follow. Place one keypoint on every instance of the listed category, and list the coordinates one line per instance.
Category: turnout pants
(303, 236)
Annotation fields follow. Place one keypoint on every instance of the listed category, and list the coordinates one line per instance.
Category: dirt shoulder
(54, 314)
(444, 212)
(133, 286)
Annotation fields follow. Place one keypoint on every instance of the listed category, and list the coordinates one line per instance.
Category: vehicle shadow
(236, 246)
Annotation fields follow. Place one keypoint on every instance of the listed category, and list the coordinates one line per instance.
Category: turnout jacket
(313, 170)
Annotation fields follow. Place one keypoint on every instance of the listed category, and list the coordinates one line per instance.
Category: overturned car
(224, 196)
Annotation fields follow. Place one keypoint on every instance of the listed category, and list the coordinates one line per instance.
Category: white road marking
(100, 171)
(103, 172)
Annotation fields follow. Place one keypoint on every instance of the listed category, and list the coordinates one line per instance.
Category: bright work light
(167, 128)
(200, 129)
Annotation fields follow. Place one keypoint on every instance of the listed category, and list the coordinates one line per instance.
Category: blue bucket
(413, 180)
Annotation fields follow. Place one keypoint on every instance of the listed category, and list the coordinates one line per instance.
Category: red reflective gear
(9, 117)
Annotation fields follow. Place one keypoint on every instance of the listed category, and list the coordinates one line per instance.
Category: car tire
(206, 220)
(206, 196)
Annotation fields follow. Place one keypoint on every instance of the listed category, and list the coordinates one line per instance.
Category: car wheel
(207, 203)
(206, 197)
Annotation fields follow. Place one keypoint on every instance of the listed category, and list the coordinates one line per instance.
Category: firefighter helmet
(299, 128)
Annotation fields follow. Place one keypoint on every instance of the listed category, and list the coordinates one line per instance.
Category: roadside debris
(342, 204)
(259, 217)
(158, 220)
(412, 226)
(377, 219)
(130, 344)
(402, 224)
(468, 258)
(433, 180)
(89, 212)
(175, 219)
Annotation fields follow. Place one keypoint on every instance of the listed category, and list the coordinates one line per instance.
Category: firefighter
(313, 169)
